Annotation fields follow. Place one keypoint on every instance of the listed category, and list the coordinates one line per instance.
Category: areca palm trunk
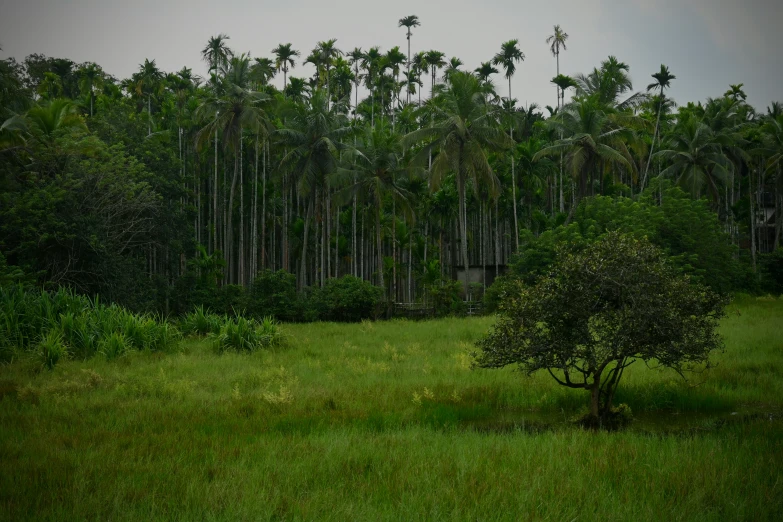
(463, 225)
(303, 269)
(241, 251)
(652, 145)
(263, 206)
(215, 198)
(378, 243)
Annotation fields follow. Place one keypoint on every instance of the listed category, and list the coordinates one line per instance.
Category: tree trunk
(378, 242)
(303, 270)
(463, 229)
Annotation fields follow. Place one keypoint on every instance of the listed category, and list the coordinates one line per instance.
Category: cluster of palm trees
(397, 189)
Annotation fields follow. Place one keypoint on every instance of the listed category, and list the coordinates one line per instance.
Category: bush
(772, 271)
(274, 294)
(348, 299)
(446, 298)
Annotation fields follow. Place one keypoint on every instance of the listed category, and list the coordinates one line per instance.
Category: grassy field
(386, 421)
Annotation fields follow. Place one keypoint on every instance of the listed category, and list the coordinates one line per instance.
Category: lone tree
(600, 310)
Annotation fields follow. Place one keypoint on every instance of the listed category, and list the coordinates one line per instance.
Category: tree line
(142, 189)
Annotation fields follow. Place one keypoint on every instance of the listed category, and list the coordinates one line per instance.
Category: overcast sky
(707, 44)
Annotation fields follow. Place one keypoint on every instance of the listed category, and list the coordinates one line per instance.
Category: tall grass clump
(246, 335)
(51, 349)
(201, 322)
(83, 326)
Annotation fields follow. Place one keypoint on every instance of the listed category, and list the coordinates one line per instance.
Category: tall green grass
(387, 421)
(40, 320)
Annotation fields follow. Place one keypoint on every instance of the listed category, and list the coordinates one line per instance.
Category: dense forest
(165, 190)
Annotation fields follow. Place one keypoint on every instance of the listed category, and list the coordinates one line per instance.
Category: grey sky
(707, 44)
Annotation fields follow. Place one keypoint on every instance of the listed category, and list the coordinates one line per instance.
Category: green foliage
(200, 322)
(246, 335)
(274, 294)
(348, 299)
(600, 310)
(83, 326)
(446, 298)
(685, 229)
(772, 271)
(51, 349)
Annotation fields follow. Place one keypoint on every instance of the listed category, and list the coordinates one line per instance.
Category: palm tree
(593, 134)
(394, 58)
(230, 114)
(695, 158)
(508, 57)
(463, 129)
(262, 70)
(354, 58)
(409, 22)
(91, 79)
(484, 71)
(326, 52)
(284, 59)
(557, 41)
(453, 65)
(608, 83)
(216, 53)
(435, 60)
(376, 164)
(314, 133)
(421, 66)
(371, 62)
(662, 81)
(149, 83)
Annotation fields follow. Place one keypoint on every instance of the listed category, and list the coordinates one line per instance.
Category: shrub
(274, 294)
(348, 299)
(446, 298)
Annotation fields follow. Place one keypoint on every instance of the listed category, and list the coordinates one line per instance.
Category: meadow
(387, 421)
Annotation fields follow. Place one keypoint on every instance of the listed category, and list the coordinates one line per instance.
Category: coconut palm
(314, 135)
(695, 158)
(662, 81)
(462, 131)
(262, 70)
(608, 83)
(592, 134)
(284, 59)
(229, 115)
(409, 22)
(375, 168)
(557, 41)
